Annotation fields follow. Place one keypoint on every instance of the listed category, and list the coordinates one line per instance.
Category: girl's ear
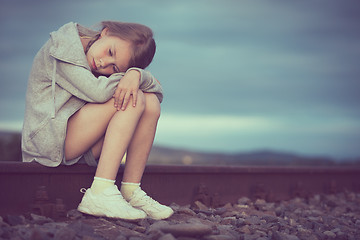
(104, 32)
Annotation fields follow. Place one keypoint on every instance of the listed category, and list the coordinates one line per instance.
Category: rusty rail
(26, 187)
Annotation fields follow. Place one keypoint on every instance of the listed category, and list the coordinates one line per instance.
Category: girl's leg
(86, 130)
(137, 156)
(142, 141)
(87, 127)
(118, 135)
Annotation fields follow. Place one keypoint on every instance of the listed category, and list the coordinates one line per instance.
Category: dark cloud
(284, 63)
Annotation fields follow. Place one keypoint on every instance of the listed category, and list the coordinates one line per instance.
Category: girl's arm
(134, 79)
(81, 82)
(148, 83)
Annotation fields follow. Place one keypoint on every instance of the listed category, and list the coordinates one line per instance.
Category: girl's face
(109, 54)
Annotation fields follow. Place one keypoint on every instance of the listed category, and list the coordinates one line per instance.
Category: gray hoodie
(60, 83)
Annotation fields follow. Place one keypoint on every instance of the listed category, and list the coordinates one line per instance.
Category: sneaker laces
(143, 199)
(112, 193)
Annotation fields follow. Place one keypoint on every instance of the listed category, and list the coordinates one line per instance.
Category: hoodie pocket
(45, 141)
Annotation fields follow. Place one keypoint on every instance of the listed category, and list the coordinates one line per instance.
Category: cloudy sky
(238, 75)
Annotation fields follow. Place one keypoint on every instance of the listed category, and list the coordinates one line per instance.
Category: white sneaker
(153, 209)
(110, 204)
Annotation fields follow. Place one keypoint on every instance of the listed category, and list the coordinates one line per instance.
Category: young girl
(88, 97)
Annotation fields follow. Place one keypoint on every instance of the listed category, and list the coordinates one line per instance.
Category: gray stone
(157, 226)
(125, 224)
(143, 222)
(74, 214)
(220, 211)
(357, 222)
(232, 213)
(259, 202)
(187, 230)
(294, 219)
(154, 235)
(174, 206)
(186, 210)
(65, 234)
(245, 229)
(199, 205)
(215, 219)
(168, 236)
(140, 229)
(253, 220)
(38, 234)
(81, 228)
(37, 219)
(14, 220)
(108, 229)
(329, 234)
(135, 238)
(202, 215)
(270, 218)
(229, 220)
(240, 222)
(283, 236)
(219, 237)
(279, 211)
(22, 231)
(250, 237)
(244, 201)
(121, 237)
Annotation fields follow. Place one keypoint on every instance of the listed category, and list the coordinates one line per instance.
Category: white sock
(127, 189)
(100, 184)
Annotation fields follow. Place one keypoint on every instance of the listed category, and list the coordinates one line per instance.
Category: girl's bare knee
(152, 105)
(140, 102)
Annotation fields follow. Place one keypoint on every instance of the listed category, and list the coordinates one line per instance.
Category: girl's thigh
(87, 127)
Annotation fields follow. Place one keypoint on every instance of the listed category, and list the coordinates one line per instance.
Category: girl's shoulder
(65, 33)
(66, 44)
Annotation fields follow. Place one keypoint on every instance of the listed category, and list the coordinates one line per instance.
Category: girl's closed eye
(115, 68)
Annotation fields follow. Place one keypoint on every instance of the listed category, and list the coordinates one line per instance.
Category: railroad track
(30, 187)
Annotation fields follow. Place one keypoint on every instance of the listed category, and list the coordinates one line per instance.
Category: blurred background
(270, 78)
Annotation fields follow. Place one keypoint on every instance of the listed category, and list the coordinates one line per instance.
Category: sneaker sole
(88, 212)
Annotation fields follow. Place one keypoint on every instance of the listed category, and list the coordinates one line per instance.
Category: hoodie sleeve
(81, 83)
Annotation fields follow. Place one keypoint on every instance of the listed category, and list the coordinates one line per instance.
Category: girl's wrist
(134, 73)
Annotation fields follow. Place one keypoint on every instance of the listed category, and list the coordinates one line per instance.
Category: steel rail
(27, 187)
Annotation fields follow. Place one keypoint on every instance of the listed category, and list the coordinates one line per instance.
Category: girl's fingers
(121, 100)
(126, 101)
(116, 98)
(134, 98)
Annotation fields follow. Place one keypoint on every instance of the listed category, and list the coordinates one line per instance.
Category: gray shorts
(87, 158)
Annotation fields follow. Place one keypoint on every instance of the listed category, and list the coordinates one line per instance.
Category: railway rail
(30, 187)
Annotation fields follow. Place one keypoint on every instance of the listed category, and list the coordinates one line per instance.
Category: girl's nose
(105, 62)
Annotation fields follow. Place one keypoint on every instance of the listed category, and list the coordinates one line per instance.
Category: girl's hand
(128, 85)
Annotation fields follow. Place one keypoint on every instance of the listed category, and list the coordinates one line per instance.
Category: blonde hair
(140, 37)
